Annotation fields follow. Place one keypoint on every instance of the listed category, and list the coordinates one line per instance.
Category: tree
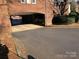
(59, 6)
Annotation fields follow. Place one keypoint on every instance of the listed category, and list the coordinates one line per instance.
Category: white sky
(70, 0)
(74, 1)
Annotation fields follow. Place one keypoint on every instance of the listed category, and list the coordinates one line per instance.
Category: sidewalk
(74, 25)
(25, 27)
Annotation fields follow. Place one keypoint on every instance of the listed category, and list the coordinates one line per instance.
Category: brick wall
(41, 6)
(19, 8)
(4, 16)
(14, 7)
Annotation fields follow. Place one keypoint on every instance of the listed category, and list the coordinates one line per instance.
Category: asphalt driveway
(50, 43)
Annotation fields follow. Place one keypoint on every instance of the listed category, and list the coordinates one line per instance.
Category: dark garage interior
(37, 18)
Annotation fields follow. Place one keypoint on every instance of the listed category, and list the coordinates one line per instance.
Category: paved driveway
(50, 43)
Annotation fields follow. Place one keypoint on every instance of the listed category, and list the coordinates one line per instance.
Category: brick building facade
(21, 7)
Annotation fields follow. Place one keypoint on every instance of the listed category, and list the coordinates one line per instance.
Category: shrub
(70, 20)
(73, 14)
(59, 20)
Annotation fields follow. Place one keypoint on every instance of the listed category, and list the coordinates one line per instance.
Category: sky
(70, 0)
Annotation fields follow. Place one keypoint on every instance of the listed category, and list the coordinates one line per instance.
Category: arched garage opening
(34, 18)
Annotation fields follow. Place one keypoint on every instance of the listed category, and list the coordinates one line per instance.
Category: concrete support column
(4, 18)
(5, 22)
(48, 13)
(48, 20)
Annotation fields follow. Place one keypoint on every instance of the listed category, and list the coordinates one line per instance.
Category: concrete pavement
(24, 27)
(50, 43)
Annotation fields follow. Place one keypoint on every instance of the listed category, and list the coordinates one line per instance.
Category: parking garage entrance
(36, 18)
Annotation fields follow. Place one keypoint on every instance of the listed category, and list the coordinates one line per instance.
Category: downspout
(45, 11)
(45, 6)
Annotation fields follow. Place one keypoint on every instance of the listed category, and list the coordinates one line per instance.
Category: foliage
(73, 14)
(70, 19)
(60, 20)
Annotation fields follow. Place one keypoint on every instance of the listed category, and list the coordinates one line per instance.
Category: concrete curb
(65, 26)
(20, 48)
(62, 27)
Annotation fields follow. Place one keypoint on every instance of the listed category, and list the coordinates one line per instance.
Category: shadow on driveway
(31, 57)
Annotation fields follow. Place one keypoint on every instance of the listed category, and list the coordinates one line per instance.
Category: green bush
(59, 20)
(71, 17)
(73, 14)
(70, 20)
